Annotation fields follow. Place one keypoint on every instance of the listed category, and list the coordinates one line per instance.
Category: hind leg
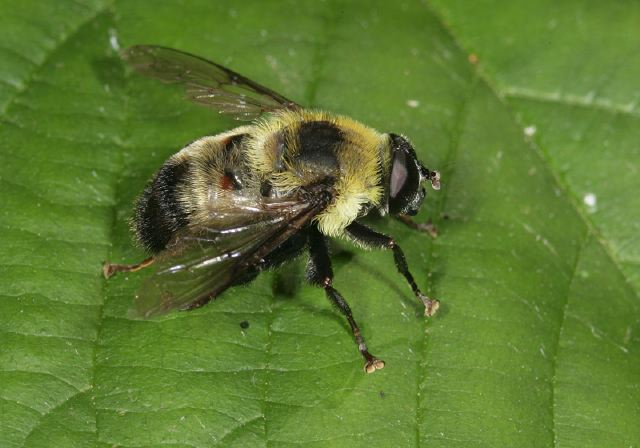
(319, 273)
(110, 269)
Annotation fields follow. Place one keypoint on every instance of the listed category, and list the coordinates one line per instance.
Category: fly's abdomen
(159, 213)
(186, 186)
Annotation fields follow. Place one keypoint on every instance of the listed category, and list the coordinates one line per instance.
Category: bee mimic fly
(228, 206)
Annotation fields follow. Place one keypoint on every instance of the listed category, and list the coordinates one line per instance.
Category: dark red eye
(399, 174)
(405, 194)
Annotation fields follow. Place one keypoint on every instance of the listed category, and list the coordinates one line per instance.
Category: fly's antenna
(431, 176)
(435, 180)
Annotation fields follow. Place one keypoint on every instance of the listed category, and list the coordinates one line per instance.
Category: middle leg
(372, 239)
(319, 273)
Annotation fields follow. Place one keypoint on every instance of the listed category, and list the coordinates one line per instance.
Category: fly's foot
(430, 305)
(373, 364)
(108, 269)
(428, 227)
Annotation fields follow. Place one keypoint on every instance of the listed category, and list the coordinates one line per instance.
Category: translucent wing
(206, 82)
(205, 259)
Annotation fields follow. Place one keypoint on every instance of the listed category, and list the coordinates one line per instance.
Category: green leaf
(537, 264)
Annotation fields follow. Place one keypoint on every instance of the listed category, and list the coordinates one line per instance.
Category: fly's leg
(110, 269)
(374, 240)
(426, 227)
(319, 273)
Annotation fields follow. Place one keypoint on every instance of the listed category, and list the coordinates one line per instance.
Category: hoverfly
(228, 206)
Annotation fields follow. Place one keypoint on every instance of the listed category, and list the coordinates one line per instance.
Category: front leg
(426, 227)
(374, 240)
(319, 273)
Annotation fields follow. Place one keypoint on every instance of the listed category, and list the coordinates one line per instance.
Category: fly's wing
(204, 260)
(206, 82)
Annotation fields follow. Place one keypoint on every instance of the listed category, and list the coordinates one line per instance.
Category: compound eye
(405, 195)
(399, 173)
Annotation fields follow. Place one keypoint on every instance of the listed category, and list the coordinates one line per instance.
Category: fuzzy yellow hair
(360, 159)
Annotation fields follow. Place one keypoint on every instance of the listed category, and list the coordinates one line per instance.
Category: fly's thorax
(294, 149)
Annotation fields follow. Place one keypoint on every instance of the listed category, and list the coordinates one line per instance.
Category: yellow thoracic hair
(360, 159)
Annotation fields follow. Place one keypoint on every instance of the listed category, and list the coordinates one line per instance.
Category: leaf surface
(528, 110)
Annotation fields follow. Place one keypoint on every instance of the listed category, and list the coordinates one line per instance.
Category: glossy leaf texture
(528, 109)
